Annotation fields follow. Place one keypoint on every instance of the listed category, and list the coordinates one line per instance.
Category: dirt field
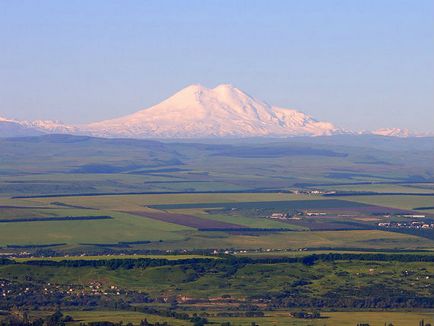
(186, 220)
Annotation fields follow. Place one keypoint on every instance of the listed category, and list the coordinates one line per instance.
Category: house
(315, 214)
(279, 216)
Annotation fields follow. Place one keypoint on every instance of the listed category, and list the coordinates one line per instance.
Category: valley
(184, 233)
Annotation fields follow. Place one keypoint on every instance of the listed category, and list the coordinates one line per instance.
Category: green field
(389, 188)
(377, 318)
(95, 165)
(105, 257)
(338, 319)
(161, 235)
(249, 280)
(404, 202)
(223, 288)
(250, 176)
(189, 229)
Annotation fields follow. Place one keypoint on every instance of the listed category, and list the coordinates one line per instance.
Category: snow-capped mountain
(223, 111)
(199, 112)
(392, 132)
(398, 132)
(17, 128)
(50, 126)
(14, 128)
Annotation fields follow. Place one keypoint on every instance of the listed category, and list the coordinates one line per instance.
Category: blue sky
(359, 64)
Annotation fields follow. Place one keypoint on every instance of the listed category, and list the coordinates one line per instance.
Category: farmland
(167, 221)
(377, 318)
(176, 231)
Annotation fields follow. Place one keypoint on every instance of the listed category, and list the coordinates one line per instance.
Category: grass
(280, 317)
(105, 257)
(403, 202)
(299, 253)
(296, 240)
(314, 203)
(248, 221)
(380, 188)
(126, 227)
(344, 277)
(336, 319)
(123, 227)
(152, 166)
(118, 316)
(125, 202)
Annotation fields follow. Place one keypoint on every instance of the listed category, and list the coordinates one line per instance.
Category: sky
(362, 65)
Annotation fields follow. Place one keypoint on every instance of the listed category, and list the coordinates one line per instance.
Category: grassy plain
(403, 202)
(343, 278)
(113, 316)
(86, 168)
(124, 227)
(342, 318)
(325, 278)
(348, 318)
(382, 187)
(105, 257)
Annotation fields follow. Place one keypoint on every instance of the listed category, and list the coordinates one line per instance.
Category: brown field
(186, 220)
(23, 207)
(317, 225)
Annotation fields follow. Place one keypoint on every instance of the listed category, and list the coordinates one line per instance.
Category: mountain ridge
(198, 112)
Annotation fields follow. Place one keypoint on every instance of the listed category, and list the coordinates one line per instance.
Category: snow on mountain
(50, 126)
(17, 128)
(3, 119)
(398, 132)
(392, 132)
(298, 123)
(13, 128)
(224, 111)
(199, 112)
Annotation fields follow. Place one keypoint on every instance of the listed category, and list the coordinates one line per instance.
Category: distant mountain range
(198, 112)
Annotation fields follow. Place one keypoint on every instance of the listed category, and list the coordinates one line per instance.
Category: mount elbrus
(195, 112)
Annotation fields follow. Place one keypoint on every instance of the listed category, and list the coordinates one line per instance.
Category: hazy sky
(361, 64)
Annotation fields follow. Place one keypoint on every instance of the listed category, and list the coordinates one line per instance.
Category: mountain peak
(227, 87)
(197, 111)
(222, 111)
(197, 88)
(194, 88)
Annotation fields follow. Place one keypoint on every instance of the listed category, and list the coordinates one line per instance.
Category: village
(94, 288)
(407, 225)
(297, 215)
